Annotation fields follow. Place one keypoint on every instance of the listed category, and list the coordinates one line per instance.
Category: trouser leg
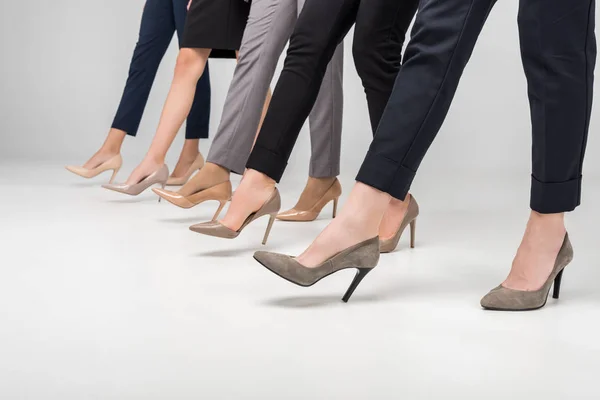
(156, 32)
(322, 25)
(443, 38)
(558, 48)
(269, 27)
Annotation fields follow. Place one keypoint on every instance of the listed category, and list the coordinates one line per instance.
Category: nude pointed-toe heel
(196, 165)
(113, 164)
(410, 219)
(505, 299)
(214, 228)
(331, 195)
(221, 193)
(159, 177)
(363, 256)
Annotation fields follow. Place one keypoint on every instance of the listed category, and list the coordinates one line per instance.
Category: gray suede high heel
(363, 256)
(505, 299)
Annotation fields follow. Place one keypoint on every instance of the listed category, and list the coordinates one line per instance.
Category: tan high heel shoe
(410, 218)
(331, 195)
(114, 164)
(505, 299)
(196, 165)
(217, 229)
(221, 193)
(363, 256)
(159, 176)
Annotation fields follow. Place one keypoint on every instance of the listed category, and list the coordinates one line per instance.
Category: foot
(101, 156)
(254, 191)
(358, 221)
(537, 254)
(148, 166)
(314, 190)
(210, 175)
(393, 217)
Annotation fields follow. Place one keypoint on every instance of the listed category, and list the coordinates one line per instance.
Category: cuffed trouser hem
(555, 197)
(265, 161)
(192, 133)
(131, 131)
(386, 175)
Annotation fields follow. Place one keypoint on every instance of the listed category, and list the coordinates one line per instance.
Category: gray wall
(64, 63)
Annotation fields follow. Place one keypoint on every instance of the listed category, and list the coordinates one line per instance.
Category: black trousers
(380, 32)
(161, 18)
(558, 50)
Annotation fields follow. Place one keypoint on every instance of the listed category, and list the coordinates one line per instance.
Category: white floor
(110, 297)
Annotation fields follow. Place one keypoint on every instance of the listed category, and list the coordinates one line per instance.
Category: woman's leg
(320, 28)
(443, 38)
(156, 30)
(558, 47)
(188, 70)
(199, 118)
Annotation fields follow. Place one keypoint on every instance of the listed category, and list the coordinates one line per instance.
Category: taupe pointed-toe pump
(113, 164)
(196, 165)
(363, 256)
(159, 176)
(220, 193)
(410, 218)
(217, 229)
(331, 195)
(505, 299)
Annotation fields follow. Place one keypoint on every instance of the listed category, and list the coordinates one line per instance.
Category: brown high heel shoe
(159, 176)
(410, 218)
(214, 228)
(331, 195)
(113, 164)
(363, 256)
(196, 165)
(221, 193)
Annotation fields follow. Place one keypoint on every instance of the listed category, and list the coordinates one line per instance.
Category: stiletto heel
(305, 215)
(557, 282)
(221, 206)
(506, 299)
(363, 256)
(360, 275)
(413, 229)
(335, 204)
(410, 218)
(268, 231)
(162, 186)
(115, 172)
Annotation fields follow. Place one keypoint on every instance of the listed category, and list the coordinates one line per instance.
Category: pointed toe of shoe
(504, 299)
(294, 215)
(77, 170)
(214, 228)
(120, 188)
(286, 267)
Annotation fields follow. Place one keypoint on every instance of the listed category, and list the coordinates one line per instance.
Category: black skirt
(216, 24)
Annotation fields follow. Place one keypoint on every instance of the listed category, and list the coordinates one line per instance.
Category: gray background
(64, 64)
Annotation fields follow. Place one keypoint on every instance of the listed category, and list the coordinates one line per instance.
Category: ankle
(190, 149)
(157, 159)
(547, 222)
(258, 180)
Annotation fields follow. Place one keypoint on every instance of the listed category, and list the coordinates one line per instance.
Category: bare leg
(110, 148)
(264, 114)
(190, 67)
(189, 153)
(535, 257)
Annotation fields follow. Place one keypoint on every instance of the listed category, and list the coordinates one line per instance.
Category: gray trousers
(269, 28)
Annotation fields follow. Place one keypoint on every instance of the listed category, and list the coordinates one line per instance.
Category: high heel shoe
(363, 256)
(217, 229)
(331, 195)
(410, 218)
(113, 164)
(505, 299)
(220, 193)
(196, 165)
(159, 176)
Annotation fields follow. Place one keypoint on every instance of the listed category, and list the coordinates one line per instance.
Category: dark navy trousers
(161, 18)
(558, 49)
